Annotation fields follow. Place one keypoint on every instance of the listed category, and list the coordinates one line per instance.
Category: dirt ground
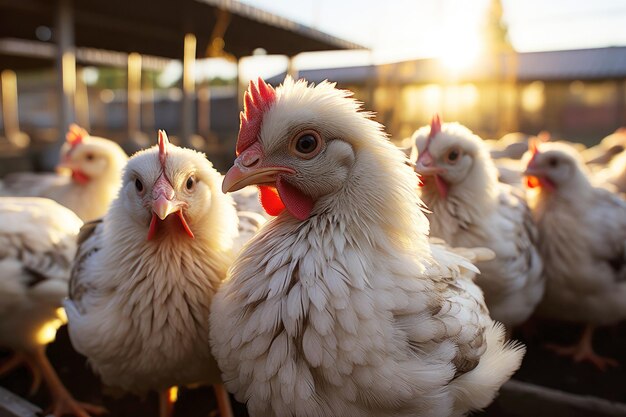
(540, 367)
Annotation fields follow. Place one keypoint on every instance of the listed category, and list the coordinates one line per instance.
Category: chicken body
(95, 167)
(37, 245)
(145, 275)
(614, 175)
(582, 235)
(607, 149)
(470, 207)
(341, 307)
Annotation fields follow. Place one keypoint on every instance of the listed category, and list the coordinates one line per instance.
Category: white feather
(410, 317)
(89, 201)
(37, 245)
(582, 232)
(478, 210)
(139, 309)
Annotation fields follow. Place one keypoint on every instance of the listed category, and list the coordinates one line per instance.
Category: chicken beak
(61, 166)
(163, 207)
(422, 169)
(164, 203)
(248, 170)
(425, 164)
(236, 178)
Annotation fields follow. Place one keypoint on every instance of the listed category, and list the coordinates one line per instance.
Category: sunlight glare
(47, 333)
(460, 50)
(173, 394)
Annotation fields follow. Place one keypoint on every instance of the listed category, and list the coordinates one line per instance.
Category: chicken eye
(453, 156)
(190, 183)
(89, 156)
(307, 144)
(138, 185)
(553, 162)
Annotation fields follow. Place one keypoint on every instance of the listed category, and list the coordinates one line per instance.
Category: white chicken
(95, 166)
(339, 306)
(251, 214)
(607, 149)
(470, 207)
(37, 245)
(614, 175)
(145, 275)
(582, 239)
(510, 146)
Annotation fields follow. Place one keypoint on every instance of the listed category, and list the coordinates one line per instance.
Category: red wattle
(285, 196)
(537, 182)
(181, 216)
(153, 226)
(270, 200)
(80, 177)
(532, 182)
(299, 204)
(442, 187)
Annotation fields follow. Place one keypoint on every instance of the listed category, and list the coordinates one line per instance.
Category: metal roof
(18, 54)
(570, 65)
(157, 27)
(573, 64)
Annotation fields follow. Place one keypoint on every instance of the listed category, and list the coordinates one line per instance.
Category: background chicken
(471, 208)
(614, 175)
(582, 238)
(145, 275)
(511, 146)
(94, 166)
(339, 307)
(37, 245)
(251, 215)
(607, 149)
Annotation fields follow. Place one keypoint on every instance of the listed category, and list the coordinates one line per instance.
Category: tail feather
(476, 389)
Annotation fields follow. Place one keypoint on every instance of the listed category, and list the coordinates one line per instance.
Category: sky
(396, 30)
(415, 26)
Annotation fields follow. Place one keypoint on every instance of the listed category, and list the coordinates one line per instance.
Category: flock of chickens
(361, 296)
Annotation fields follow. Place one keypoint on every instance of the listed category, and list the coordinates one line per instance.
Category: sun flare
(460, 51)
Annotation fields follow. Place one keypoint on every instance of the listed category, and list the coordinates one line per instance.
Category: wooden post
(82, 101)
(66, 82)
(241, 86)
(291, 68)
(204, 110)
(10, 114)
(134, 95)
(148, 116)
(189, 85)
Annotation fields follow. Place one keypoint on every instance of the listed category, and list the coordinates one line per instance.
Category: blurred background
(124, 69)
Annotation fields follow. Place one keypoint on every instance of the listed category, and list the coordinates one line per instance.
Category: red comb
(544, 136)
(75, 135)
(533, 146)
(163, 145)
(435, 126)
(259, 97)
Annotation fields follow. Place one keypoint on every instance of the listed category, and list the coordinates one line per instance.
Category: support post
(292, 70)
(66, 71)
(134, 95)
(189, 85)
(82, 101)
(9, 103)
